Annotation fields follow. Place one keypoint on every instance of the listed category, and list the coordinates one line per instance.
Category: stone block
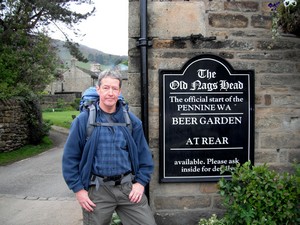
(134, 64)
(259, 56)
(165, 19)
(247, 65)
(293, 55)
(260, 21)
(280, 67)
(274, 140)
(219, 20)
(268, 44)
(256, 141)
(168, 63)
(294, 156)
(266, 156)
(177, 189)
(283, 156)
(268, 100)
(218, 202)
(169, 19)
(239, 6)
(258, 99)
(290, 80)
(281, 168)
(286, 100)
(226, 55)
(132, 46)
(267, 122)
(226, 44)
(208, 188)
(187, 217)
(161, 44)
(250, 33)
(214, 6)
(182, 202)
(291, 122)
(134, 19)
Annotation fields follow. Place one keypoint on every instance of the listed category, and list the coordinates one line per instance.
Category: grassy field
(61, 119)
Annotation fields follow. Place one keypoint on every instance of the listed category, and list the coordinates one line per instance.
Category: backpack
(87, 102)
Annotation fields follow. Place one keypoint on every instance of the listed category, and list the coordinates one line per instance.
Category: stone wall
(244, 38)
(13, 126)
(50, 101)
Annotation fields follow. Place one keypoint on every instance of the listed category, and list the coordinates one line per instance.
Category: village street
(33, 191)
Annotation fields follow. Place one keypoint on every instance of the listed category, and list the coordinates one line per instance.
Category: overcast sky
(107, 31)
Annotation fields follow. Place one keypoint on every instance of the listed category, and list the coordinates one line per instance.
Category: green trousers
(115, 198)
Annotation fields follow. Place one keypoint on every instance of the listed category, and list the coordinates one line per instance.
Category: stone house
(74, 80)
(73, 83)
(77, 79)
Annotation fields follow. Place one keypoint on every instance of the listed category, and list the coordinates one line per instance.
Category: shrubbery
(37, 128)
(258, 195)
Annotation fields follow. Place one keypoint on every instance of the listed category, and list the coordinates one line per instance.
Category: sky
(107, 31)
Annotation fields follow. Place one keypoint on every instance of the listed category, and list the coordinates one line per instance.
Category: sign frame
(165, 162)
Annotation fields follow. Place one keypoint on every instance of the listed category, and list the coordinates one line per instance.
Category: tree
(28, 62)
(31, 16)
(27, 59)
(27, 65)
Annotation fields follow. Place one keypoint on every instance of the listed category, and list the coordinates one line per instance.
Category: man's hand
(136, 193)
(85, 201)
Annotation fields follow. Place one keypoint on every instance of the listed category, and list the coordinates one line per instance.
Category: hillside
(93, 55)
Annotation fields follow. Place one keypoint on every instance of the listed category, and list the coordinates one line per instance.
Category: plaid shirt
(112, 156)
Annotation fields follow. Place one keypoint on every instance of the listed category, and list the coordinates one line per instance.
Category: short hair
(112, 73)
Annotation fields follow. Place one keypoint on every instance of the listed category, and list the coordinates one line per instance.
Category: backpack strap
(91, 124)
(126, 116)
(98, 124)
(91, 121)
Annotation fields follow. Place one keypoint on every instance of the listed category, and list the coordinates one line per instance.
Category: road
(32, 191)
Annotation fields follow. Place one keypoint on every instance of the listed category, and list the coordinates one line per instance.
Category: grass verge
(61, 119)
(25, 152)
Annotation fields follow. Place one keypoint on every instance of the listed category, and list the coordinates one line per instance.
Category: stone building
(77, 79)
(74, 80)
(73, 83)
(243, 37)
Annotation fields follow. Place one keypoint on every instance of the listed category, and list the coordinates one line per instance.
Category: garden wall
(13, 125)
(243, 37)
(54, 101)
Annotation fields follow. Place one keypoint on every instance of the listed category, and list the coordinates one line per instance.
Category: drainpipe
(143, 45)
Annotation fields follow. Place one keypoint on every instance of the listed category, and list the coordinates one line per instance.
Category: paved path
(33, 191)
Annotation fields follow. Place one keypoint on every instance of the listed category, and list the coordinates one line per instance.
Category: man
(109, 171)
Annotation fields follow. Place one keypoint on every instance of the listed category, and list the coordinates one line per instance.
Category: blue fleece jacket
(78, 153)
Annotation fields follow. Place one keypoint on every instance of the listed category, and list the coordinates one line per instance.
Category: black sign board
(206, 119)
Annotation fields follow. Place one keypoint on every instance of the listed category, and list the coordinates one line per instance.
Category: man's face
(109, 91)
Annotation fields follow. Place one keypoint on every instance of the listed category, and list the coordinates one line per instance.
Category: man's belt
(111, 180)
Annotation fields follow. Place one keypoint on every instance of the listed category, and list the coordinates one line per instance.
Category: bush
(115, 219)
(75, 104)
(47, 126)
(37, 129)
(258, 195)
(213, 220)
(285, 16)
(60, 104)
